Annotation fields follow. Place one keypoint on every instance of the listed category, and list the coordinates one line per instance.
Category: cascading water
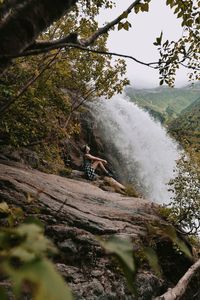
(138, 147)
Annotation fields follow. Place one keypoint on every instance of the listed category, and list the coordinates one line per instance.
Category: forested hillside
(186, 128)
(164, 103)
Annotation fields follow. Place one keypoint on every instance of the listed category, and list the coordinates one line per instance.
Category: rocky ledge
(74, 212)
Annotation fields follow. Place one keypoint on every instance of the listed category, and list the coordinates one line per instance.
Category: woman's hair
(83, 148)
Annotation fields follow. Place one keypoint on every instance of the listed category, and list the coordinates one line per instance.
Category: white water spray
(139, 148)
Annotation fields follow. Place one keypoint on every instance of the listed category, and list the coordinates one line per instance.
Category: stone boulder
(74, 212)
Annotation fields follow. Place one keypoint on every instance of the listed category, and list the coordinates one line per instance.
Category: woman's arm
(95, 158)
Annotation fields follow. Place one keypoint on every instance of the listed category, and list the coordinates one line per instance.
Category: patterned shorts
(89, 172)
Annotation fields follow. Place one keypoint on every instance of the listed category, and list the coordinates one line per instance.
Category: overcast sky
(138, 41)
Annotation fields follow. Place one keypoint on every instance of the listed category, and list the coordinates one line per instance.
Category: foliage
(152, 258)
(122, 249)
(44, 112)
(13, 215)
(185, 51)
(66, 172)
(80, 24)
(186, 129)
(169, 231)
(185, 205)
(131, 191)
(163, 103)
(23, 252)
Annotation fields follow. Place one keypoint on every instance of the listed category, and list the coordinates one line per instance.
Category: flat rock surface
(74, 212)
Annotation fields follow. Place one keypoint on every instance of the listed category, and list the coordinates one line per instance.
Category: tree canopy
(48, 47)
(23, 21)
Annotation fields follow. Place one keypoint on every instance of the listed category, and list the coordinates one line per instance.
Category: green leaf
(177, 9)
(137, 8)
(183, 247)
(145, 7)
(126, 25)
(170, 231)
(169, 2)
(4, 209)
(34, 242)
(123, 250)
(3, 294)
(48, 284)
(161, 82)
(30, 198)
(159, 39)
(152, 259)
(120, 25)
(28, 244)
(180, 14)
(34, 220)
(23, 254)
(124, 15)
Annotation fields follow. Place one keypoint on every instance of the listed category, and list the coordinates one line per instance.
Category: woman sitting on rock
(91, 163)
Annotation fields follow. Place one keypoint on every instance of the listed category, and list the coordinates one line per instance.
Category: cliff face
(74, 212)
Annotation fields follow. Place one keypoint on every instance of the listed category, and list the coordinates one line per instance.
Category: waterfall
(139, 148)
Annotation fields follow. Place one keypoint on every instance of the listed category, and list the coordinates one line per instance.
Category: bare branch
(71, 40)
(77, 46)
(75, 107)
(190, 67)
(27, 85)
(40, 45)
(108, 26)
(150, 64)
(179, 290)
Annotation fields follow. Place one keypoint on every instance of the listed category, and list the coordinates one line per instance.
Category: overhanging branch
(71, 40)
(21, 22)
(108, 26)
(153, 65)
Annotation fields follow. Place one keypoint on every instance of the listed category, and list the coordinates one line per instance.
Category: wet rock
(73, 213)
(68, 246)
(149, 285)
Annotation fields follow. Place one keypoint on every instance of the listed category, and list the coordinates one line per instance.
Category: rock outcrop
(74, 212)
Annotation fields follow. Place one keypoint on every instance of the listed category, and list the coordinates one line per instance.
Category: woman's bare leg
(97, 164)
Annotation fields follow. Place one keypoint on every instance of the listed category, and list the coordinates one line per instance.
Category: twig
(120, 55)
(61, 206)
(77, 46)
(179, 290)
(27, 85)
(109, 25)
(75, 107)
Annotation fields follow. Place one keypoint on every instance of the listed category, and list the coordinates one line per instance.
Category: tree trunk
(22, 21)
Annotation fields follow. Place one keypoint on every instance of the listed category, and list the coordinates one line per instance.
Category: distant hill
(178, 109)
(186, 128)
(164, 103)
